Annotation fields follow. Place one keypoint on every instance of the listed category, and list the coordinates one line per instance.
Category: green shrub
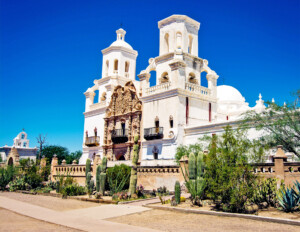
(34, 180)
(118, 178)
(265, 191)
(6, 176)
(18, 184)
(73, 190)
(228, 174)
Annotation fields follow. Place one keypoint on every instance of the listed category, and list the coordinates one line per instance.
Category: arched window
(164, 78)
(23, 136)
(167, 42)
(107, 67)
(190, 44)
(116, 66)
(178, 40)
(156, 122)
(155, 152)
(24, 144)
(192, 78)
(126, 66)
(203, 79)
(171, 121)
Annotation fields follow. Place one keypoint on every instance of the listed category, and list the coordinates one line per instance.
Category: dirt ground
(175, 222)
(270, 212)
(53, 203)
(16, 222)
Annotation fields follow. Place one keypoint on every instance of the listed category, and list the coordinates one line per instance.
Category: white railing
(197, 89)
(158, 88)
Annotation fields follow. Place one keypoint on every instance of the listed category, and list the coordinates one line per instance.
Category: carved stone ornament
(125, 100)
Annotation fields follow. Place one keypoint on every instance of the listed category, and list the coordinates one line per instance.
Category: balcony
(119, 136)
(92, 141)
(153, 133)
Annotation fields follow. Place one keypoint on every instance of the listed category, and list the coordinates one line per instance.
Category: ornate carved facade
(122, 122)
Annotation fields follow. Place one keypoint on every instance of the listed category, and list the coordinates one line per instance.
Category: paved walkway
(88, 219)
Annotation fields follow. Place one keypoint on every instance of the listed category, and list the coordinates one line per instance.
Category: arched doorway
(10, 161)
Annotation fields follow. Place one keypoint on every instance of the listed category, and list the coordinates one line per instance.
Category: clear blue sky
(50, 53)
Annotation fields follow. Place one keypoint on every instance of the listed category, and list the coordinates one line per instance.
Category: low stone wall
(289, 172)
(154, 177)
(77, 171)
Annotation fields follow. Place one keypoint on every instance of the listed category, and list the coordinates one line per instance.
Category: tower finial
(120, 34)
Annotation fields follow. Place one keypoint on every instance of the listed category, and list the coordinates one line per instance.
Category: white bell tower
(119, 59)
(178, 33)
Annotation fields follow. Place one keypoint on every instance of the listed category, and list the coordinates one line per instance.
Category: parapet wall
(77, 171)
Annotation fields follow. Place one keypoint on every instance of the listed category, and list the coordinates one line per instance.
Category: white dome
(121, 43)
(226, 93)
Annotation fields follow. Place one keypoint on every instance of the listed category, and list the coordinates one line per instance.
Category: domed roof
(226, 93)
(120, 42)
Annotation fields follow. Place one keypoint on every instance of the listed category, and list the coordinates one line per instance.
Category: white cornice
(211, 127)
(119, 48)
(176, 18)
(95, 112)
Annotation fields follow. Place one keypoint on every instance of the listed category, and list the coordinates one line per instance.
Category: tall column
(144, 80)
(178, 74)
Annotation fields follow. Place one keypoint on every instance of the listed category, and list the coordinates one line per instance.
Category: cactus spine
(135, 158)
(192, 167)
(177, 192)
(98, 178)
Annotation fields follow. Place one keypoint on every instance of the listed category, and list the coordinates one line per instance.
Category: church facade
(176, 111)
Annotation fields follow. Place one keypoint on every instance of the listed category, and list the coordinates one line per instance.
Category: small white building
(176, 111)
(21, 143)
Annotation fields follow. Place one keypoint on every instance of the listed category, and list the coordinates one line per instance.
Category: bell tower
(178, 33)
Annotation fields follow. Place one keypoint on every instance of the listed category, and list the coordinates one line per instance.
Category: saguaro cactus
(192, 167)
(135, 158)
(102, 182)
(177, 192)
(98, 172)
(102, 177)
(87, 167)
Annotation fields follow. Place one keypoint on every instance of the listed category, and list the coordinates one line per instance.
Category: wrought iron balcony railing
(92, 141)
(119, 136)
(153, 133)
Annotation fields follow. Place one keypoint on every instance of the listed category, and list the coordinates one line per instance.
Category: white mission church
(177, 110)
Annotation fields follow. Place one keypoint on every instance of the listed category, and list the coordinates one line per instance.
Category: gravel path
(175, 222)
(54, 203)
(11, 221)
